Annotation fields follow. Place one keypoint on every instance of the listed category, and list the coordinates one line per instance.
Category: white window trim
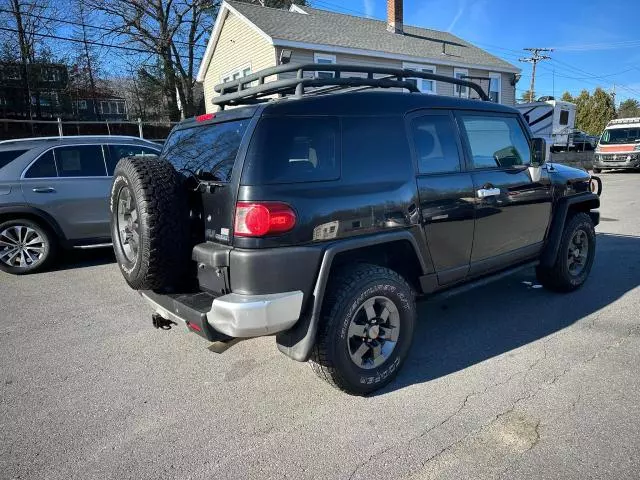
(497, 76)
(324, 56)
(464, 93)
(229, 75)
(420, 66)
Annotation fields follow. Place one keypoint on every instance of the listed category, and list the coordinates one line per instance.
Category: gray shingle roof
(329, 28)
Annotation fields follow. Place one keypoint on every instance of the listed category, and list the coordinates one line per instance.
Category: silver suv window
(69, 161)
(44, 167)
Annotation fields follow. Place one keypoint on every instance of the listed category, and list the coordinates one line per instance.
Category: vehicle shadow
(466, 329)
(77, 258)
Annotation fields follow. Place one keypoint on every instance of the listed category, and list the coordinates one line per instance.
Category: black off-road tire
(49, 245)
(558, 278)
(163, 253)
(349, 288)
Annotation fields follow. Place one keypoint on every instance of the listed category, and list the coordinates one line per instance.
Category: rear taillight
(257, 219)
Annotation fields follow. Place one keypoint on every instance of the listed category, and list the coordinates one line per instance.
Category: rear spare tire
(149, 223)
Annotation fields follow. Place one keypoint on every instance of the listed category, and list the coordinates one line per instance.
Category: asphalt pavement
(505, 381)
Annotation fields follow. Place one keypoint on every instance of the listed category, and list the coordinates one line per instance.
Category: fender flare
(17, 210)
(552, 245)
(298, 341)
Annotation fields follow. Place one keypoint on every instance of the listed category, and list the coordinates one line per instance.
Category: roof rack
(623, 121)
(65, 137)
(242, 92)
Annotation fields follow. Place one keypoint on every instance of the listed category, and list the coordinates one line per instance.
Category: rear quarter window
(8, 156)
(206, 150)
(293, 150)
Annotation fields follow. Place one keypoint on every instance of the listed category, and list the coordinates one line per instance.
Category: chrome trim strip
(92, 246)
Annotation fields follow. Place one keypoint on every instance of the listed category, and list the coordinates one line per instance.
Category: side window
(375, 149)
(80, 161)
(45, 167)
(434, 138)
(9, 156)
(293, 149)
(116, 152)
(496, 142)
(564, 117)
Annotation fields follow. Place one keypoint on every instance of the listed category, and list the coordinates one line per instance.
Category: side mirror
(538, 152)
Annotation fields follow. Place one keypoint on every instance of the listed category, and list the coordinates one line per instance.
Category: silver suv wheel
(24, 246)
(21, 246)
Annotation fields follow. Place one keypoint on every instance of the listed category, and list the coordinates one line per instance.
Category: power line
(78, 24)
(90, 42)
(534, 59)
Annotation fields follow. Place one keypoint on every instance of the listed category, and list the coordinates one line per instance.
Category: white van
(619, 145)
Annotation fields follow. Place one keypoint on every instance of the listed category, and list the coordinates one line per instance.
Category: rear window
(206, 150)
(9, 156)
(292, 150)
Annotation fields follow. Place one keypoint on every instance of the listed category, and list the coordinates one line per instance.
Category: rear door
(513, 199)
(446, 193)
(206, 152)
(71, 184)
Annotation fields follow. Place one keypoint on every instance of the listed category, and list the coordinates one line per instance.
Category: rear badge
(223, 236)
(326, 231)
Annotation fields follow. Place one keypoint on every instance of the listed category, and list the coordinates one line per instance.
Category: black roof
(375, 103)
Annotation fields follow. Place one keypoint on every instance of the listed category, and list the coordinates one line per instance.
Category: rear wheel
(25, 246)
(367, 326)
(597, 170)
(575, 256)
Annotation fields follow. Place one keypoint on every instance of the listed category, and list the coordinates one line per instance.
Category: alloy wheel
(373, 332)
(21, 246)
(578, 252)
(128, 225)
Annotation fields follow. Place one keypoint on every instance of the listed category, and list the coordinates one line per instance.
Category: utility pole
(534, 59)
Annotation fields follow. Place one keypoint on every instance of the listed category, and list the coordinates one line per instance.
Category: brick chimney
(394, 16)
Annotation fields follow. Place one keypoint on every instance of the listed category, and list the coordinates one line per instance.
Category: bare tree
(26, 20)
(170, 30)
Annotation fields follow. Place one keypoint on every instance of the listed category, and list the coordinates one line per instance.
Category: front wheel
(367, 325)
(597, 170)
(575, 256)
(25, 246)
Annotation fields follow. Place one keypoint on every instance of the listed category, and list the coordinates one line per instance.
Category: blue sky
(596, 42)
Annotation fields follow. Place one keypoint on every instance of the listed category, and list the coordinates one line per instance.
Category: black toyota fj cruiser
(317, 211)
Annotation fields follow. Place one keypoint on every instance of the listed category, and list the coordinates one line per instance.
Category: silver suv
(54, 193)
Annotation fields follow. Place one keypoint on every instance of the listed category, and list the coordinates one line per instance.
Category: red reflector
(263, 218)
(194, 326)
(205, 117)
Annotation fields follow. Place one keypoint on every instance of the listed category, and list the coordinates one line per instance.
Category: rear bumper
(234, 315)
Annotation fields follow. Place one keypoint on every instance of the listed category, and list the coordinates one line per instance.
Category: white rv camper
(553, 120)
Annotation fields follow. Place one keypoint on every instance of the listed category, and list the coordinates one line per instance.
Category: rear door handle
(488, 192)
(44, 190)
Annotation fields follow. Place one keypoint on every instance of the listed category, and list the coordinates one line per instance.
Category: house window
(425, 86)
(495, 87)
(3, 101)
(82, 104)
(12, 72)
(459, 90)
(51, 75)
(121, 108)
(236, 73)
(324, 59)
